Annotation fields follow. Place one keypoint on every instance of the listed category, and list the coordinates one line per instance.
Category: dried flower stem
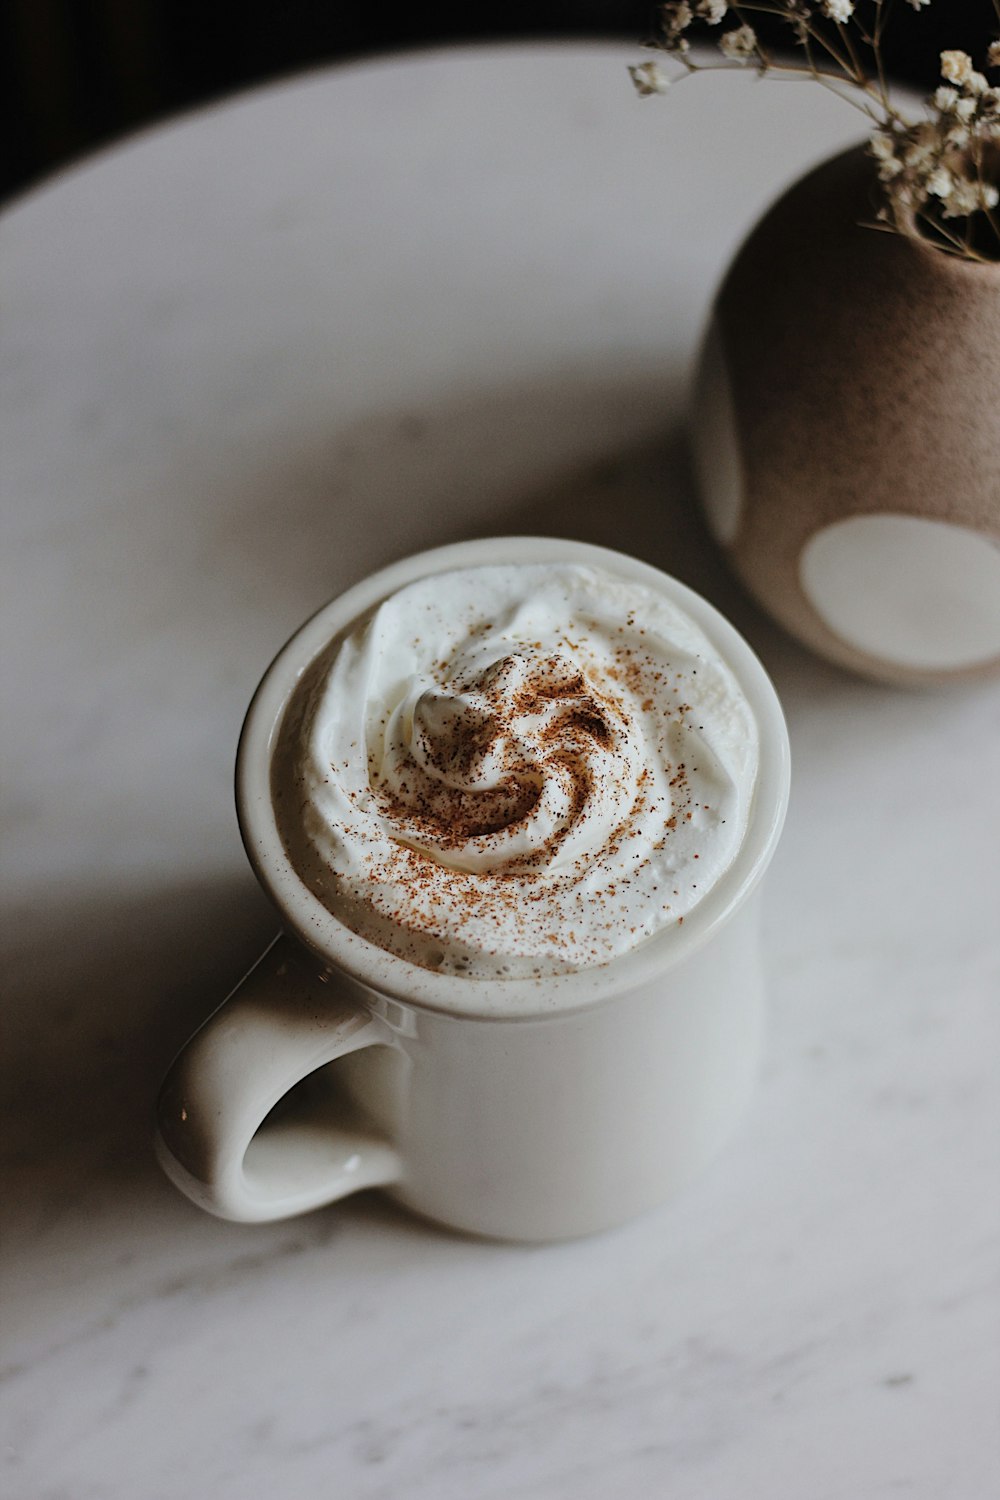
(933, 172)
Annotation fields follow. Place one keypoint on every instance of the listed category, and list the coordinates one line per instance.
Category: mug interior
(341, 948)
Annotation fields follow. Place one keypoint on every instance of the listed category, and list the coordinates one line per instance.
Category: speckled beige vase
(846, 431)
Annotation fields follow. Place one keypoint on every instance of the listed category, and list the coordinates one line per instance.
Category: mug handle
(281, 1023)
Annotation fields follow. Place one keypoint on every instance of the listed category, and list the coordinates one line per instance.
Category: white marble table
(246, 357)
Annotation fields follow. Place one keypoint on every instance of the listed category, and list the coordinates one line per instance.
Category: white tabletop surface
(247, 357)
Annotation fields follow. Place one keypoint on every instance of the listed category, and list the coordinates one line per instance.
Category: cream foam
(512, 771)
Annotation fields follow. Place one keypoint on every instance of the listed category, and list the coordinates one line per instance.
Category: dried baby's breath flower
(739, 45)
(649, 78)
(956, 66)
(940, 183)
(932, 171)
(968, 196)
(921, 150)
(676, 17)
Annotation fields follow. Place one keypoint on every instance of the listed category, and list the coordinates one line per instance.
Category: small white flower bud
(956, 66)
(739, 45)
(940, 183)
(649, 78)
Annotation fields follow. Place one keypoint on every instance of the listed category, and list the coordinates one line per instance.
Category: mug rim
(388, 975)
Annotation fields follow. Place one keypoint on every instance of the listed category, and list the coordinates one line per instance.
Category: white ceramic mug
(522, 1108)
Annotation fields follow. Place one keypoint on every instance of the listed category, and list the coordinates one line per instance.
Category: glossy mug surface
(519, 1108)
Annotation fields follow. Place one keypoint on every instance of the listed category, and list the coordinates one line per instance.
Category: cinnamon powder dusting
(523, 788)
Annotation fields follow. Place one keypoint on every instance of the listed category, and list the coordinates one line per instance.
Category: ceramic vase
(846, 434)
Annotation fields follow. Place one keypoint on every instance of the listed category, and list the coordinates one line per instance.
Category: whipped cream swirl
(515, 770)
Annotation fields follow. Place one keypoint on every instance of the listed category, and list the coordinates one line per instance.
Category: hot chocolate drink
(515, 771)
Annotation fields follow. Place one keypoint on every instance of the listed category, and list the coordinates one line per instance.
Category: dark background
(75, 74)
